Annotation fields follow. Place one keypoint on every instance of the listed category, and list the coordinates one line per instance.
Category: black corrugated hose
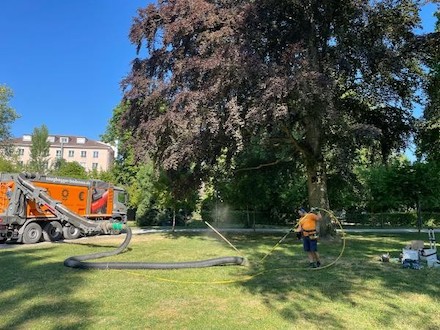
(79, 261)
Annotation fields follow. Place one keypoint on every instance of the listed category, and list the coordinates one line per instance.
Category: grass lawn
(358, 292)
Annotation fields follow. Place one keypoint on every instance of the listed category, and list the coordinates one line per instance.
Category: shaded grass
(38, 292)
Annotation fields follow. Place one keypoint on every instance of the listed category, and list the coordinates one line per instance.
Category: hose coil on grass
(80, 261)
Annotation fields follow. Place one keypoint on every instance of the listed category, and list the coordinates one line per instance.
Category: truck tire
(52, 231)
(32, 233)
(71, 232)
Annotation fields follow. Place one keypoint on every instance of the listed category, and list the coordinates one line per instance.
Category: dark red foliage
(212, 73)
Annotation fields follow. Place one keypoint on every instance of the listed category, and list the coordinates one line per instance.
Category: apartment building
(90, 154)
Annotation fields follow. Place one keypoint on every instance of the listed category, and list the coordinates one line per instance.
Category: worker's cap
(302, 209)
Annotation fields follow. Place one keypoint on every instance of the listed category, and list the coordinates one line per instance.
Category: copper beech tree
(212, 74)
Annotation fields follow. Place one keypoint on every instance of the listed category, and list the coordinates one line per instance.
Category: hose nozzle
(107, 226)
(117, 226)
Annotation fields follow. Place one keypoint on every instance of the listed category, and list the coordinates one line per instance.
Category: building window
(94, 166)
(71, 153)
(20, 151)
(64, 139)
(95, 154)
(51, 139)
(58, 153)
(83, 153)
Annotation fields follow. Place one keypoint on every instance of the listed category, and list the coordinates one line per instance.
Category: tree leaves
(211, 75)
(7, 114)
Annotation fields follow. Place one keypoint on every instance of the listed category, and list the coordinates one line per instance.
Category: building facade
(91, 154)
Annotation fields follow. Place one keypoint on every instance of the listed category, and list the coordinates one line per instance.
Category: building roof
(69, 141)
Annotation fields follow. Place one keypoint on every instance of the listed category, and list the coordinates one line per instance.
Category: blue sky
(64, 61)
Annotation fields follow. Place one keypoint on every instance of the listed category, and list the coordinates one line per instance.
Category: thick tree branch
(296, 145)
(260, 166)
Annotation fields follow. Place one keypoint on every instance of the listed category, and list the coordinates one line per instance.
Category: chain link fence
(395, 219)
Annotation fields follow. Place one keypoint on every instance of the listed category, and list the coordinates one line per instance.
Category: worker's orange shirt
(308, 224)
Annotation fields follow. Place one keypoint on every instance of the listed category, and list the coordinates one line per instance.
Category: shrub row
(395, 219)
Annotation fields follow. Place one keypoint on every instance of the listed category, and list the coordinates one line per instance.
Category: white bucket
(426, 253)
(432, 260)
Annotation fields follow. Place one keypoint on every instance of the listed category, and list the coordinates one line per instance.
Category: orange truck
(36, 207)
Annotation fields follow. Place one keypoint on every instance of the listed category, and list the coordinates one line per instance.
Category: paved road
(384, 230)
(140, 231)
(280, 230)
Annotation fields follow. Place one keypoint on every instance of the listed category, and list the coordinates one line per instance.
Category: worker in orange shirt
(307, 229)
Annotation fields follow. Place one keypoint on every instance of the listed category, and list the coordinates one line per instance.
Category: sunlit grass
(358, 292)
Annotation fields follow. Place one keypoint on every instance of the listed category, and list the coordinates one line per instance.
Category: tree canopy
(69, 169)
(319, 78)
(40, 150)
(429, 137)
(7, 114)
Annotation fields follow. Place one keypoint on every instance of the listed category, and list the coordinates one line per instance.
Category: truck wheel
(52, 231)
(71, 232)
(32, 233)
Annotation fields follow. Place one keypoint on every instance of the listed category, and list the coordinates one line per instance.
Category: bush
(164, 217)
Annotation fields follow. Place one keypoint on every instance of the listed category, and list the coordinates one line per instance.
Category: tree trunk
(316, 169)
(317, 184)
(311, 149)
(419, 213)
(317, 193)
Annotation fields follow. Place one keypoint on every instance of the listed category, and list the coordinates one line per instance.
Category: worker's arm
(297, 228)
(298, 231)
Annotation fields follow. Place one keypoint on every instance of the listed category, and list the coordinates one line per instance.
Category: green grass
(358, 292)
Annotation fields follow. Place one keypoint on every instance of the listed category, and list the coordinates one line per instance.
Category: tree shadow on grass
(285, 282)
(33, 288)
(97, 245)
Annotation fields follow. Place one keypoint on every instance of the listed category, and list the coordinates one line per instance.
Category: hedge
(395, 219)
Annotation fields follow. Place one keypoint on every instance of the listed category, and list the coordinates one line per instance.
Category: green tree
(263, 180)
(429, 134)
(402, 186)
(125, 171)
(39, 161)
(424, 191)
(7, 116)
(171, 194)
(142, 193)
(217, 73)
(387, 187)
(7, 166)
(69, 169)
(107, 176)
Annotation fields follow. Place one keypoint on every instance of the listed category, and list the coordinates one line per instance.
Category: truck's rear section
(38, 206)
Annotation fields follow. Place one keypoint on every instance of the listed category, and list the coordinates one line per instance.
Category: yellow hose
(259, 273)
